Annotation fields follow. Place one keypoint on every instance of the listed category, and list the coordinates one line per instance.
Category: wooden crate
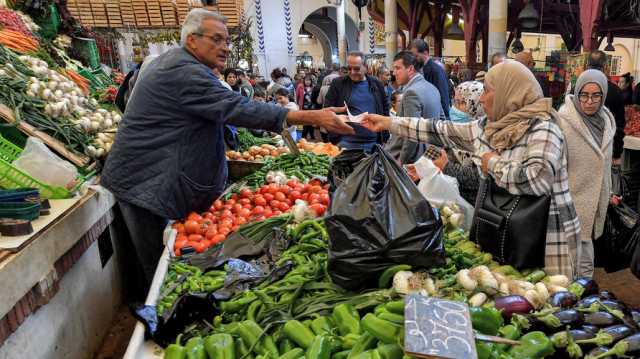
(113, 13)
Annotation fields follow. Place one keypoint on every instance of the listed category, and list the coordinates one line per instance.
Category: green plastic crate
(50, 24)
(20, 210)
(11, 177)
(88, 50)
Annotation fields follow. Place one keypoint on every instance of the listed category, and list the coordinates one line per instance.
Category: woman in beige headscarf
(519, 145)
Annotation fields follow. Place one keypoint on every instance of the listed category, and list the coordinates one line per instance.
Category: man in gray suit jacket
(419, 99)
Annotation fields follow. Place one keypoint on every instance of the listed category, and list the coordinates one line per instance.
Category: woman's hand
(441, 161)
(615, 200)
(376, 123)
(485, 161)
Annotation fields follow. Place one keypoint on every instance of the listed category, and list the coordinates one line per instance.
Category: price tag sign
(436, 328)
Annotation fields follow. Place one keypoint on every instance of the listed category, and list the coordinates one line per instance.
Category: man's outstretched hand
(376, 123)
(325, 118)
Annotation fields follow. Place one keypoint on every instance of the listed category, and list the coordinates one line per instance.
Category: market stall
(254, 277)
(57, 123)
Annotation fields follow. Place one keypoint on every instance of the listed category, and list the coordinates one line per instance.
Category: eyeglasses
(217, 39)
(585, 97)
(354, 68)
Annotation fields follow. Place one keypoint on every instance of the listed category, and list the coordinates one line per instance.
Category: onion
(513, 304)
(478, 299)
(464, 279)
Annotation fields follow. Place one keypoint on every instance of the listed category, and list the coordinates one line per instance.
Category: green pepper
(485, 350)
(255, 338)
(509, 331)
(175, 351)
(364, 355)
(347, 319)
(294, 353)
(298, 333)
(392, 317)
(366, 342)
(533, 345)
(285, 345)
(486, 320)
(508, 271)
(396, 306)
(535, 276)
(234, 306)
(349, 340)
(195, 348)
(375, 354)
(320, 348)
(220, 346)
(321, 325)
(252, 311)
(385, 331)
(341, 355)
(242, 350)
(390, 351)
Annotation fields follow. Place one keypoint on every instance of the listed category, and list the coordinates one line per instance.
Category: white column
(497, 26)
(391, 30)
(342, 38)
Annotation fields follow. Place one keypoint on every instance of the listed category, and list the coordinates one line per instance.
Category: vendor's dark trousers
(145, 230)
(307, 132)
(631, 171)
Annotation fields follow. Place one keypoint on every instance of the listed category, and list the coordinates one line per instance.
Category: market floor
(623, 284)
(115, 342)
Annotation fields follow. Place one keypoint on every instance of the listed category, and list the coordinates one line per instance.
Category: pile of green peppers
(182, 279)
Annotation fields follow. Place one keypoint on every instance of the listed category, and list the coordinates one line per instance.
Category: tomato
(283, 207)
(179, 227)
(244, 213)
(260, 201)
(193, 216)
(306, 187)
(288, 202)
(261, 218)
(315, 189)
(234, 197)
(198, 246)
(241, 220)
(318, 209)
(211, 233)
(237, 208)
(315, 182)
(224, 231)
(235, 228)
(245, 201)
(258, 210)
(230, 202)
(227, 206)
(324, 198)
(294, 195)
(195, 237)
(313, 198)
(208, 215)
(268, 212)
(274, 204)
(273, 188)
(269, 197)
(218, 239)
(180, 243)
(292, 183)
(218, 204)
(248, 206)
(305, 197)
(192, 227)
(227, 222)
(225, 214)
(246, 193)
(279, 196)
(264, 189)
(277, 213)
(180, 237)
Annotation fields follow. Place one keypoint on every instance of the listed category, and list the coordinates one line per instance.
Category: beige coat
(589, 167)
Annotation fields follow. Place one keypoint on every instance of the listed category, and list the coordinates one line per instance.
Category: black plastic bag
(342, 166)
(619, 186)
(379, 218)
(614, 249)
(635, 262)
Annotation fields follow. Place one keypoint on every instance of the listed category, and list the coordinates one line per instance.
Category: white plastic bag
(440, 189)
(42, 164)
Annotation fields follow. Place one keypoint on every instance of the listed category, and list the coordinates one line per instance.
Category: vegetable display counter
(62, 285)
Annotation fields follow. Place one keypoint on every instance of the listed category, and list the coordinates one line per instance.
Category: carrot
(79, 80)
(18, 41)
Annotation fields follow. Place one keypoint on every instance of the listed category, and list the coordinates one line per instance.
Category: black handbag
(513, 228)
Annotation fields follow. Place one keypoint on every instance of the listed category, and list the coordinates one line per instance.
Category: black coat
(168, 156)
(615, 104)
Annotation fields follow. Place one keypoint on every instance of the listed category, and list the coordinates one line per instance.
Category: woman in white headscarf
(588, 128)
(519, 145)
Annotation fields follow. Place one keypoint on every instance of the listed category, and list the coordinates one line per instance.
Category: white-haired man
(168, 157)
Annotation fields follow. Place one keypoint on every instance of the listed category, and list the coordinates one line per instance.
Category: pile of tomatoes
(200, 231)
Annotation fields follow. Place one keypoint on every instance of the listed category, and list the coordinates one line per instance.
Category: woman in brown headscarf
(519, 145)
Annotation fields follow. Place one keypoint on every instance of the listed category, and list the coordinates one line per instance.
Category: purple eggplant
(513, 304)
(590, 329)
(582, 287)
(605, 294)
(580, 334)
(618, 332)
(600, 319)
(629, 346)
(614, 304)
(587, 301)
(635, 314)
(599, 350)
(563, 299)
(570, 317)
